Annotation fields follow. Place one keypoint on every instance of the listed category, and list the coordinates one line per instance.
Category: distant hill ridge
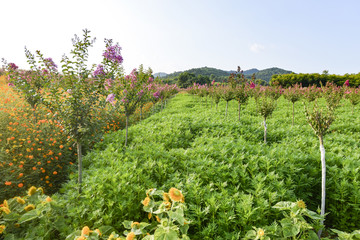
(264, 74)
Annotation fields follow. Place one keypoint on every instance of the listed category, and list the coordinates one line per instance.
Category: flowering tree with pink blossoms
(75, 95)
(126, 94)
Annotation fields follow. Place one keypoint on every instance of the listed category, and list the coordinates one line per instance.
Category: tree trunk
(126, 129)
(265, 130)
(79, 153)
(323, 181)
(239, 111)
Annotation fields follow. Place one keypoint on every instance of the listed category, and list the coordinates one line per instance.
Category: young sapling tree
(265, 106)
(293, 94)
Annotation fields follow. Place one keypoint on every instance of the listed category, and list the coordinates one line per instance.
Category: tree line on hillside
(307, 79)
(207, 75)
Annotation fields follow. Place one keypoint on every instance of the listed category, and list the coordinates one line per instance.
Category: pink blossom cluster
(13, 66)
(113, 54)
(99, 71)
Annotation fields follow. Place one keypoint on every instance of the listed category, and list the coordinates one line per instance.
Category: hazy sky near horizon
(305, 36)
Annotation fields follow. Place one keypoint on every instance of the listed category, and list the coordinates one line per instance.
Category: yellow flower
(40, 189)
(167, 205)
(20, 200)
(166, 197)
(85, 231)
(48, 199)
(301, 204)
(6, 210)
(135, 224)
(260, 232)
(157, 219)
(149, 215)
(29, 207)
(175, 194)
(2, 228)
(6, 204)
(111, 237)
(146, 201)
(32, 191)
(130, 236)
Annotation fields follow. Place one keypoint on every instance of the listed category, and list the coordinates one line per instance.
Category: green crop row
(229, 177)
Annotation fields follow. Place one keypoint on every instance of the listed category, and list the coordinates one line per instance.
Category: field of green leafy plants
(229, 161)
(229, 177)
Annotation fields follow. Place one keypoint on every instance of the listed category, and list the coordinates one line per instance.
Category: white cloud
(256, 48)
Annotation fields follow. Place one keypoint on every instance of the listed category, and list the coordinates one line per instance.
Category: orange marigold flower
(55, 172)
(146, 201)
(61, 146)
(20, 200)
(48, 199)
(85, 231)
(175, 194)
(32, 191)
(34, 168)
(130, 236)
(20, 185)
(31, 156)
(7, 183)
(21, 166)
(10, 164)
(21, 174)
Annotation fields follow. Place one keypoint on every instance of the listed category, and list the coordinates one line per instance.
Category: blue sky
(168, 35)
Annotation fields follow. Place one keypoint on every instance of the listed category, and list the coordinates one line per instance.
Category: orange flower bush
(38, 152)
(29, 146)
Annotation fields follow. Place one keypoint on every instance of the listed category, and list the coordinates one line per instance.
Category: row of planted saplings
(319, 118)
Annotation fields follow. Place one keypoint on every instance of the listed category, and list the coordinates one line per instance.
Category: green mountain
(266, 74)
(221, 75)
(205, 71)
